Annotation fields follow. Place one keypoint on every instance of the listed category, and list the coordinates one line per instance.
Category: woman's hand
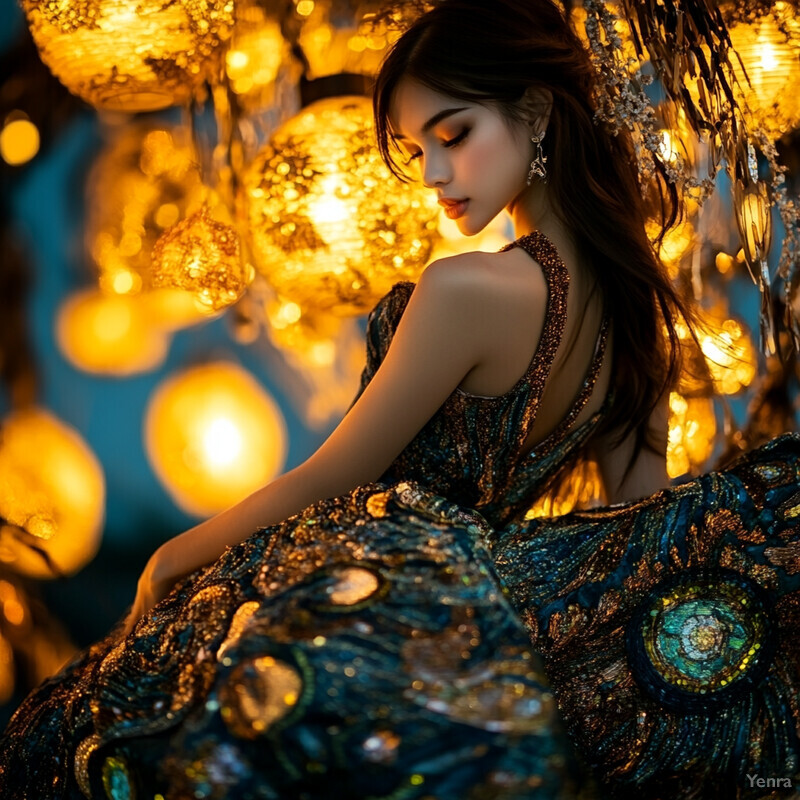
(155, 582)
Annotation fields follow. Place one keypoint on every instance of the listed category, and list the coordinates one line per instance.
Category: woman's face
(467, 152)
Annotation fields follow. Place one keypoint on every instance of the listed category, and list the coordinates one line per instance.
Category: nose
(436, 171)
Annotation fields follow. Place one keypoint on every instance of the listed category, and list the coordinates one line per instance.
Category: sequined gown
(387, 643)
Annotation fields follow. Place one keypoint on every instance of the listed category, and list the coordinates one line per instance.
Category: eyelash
(449, 143)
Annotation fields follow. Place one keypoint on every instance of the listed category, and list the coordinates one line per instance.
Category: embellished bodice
(471, 450)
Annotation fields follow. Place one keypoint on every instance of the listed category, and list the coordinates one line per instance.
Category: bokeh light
(110, 334)
(52, 487)
(19, 140)
(213, 435)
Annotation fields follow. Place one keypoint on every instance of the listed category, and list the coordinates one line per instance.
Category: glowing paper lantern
(52, 487)
(110, 334)
(331, 228)
(130, 55)
(201, 256)
(213, 436)
(771, 56)
(145, 181)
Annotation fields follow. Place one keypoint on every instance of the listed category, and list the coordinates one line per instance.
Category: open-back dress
(386, 643)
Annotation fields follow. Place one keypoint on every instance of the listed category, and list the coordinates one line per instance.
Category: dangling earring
(538, 164)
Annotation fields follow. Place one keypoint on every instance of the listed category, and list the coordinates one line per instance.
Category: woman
(359, 643)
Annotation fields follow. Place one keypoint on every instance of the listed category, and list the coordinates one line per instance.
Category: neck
(531, 210)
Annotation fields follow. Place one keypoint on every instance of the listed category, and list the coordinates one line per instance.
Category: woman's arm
(436, 343)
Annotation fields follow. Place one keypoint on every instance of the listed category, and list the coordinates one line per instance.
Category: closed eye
(448, 143)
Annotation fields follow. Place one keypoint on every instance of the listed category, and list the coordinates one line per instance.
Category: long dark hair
(491, 52)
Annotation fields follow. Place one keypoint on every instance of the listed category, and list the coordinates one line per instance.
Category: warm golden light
(256, 53)
(213, 436)
(19, 141)
(202, 256)
(331, 228)
(582, 488)
(692, 430)
(730, 356)
(143, 182)
(675, 246)
(130, 55)
(489, 240)
(110, 334)
(771, 57)
(753, 214)
(52, 487)
(340, 37)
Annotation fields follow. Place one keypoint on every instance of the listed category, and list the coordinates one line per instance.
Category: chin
(469, 227)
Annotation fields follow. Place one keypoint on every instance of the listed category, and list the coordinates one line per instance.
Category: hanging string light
(329, 228)
(130, 55)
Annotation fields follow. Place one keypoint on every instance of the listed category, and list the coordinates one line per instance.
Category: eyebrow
(436, 118)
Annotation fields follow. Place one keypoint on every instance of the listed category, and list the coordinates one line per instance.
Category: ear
(537, 103)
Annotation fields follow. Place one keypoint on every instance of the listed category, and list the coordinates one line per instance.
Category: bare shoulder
(502, 277)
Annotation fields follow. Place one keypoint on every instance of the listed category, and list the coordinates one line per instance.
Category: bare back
(511, 322)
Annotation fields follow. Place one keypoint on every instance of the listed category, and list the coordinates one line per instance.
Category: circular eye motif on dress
(701, 638)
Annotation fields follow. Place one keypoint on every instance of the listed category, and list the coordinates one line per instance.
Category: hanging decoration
(329, 228)
(201, 256)
(130, 55)
(52, 496)
(213, 436)
(766, 38)
(143, 182)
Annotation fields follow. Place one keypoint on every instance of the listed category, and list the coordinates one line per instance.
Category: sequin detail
(669, 628)
(470, 450)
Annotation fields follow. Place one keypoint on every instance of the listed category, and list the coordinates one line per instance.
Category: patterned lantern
(144, 182)
(52, 494)
(213, 436)
(769, 47)
(331, 228)
(128, 55)
(201, 255)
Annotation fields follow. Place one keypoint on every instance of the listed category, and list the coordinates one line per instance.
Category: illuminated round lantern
(202, 256)
(110, 334)
(145, 181)
(769, 46)
(331, 228)
(130, 55)
(213, 436)
(52, 492)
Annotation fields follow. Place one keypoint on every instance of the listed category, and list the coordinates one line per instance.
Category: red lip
(447, 202)
(453, 209)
